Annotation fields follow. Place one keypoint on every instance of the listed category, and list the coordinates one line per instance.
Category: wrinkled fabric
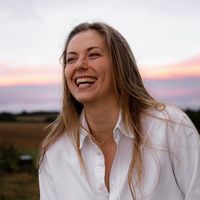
(171, 162)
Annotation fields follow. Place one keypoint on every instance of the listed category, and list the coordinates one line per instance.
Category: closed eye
(70, 60)
(94, 55)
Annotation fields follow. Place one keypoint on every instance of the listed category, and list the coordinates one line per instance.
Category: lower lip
(85, 86)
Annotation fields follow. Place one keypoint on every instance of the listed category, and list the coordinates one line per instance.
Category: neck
(102, 119)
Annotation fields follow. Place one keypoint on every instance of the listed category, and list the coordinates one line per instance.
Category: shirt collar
(126, 131)
(84, 129)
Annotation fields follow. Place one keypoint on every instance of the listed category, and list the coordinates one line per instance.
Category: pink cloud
(186, 68)
(191, 62)
(21, 75)
(13, 75)
(181, 92)
(20, 70)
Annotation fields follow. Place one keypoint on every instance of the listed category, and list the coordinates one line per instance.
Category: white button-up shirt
(171, 163)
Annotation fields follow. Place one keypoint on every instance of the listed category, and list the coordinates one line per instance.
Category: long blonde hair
(132, 95)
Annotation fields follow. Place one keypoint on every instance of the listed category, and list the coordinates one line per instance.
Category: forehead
(86, 39)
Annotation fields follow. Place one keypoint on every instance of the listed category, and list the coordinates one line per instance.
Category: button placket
(114, 176)
(100, 171)
(113, 181)
(114, 189)
(98, 153)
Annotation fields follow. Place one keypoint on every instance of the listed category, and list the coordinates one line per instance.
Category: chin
(85, 99)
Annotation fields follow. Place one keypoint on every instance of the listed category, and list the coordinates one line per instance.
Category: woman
(112, 140)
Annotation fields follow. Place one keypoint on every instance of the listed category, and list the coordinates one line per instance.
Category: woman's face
(88, 70)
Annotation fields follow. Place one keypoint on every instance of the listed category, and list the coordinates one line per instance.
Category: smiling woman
(112, 139)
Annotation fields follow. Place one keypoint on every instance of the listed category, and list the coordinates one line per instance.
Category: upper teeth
(85, 80)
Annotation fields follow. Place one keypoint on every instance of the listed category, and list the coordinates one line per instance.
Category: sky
(164, 36)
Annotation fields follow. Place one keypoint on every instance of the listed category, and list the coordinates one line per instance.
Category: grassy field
(19, 186)
(22, 135)
(26, 138)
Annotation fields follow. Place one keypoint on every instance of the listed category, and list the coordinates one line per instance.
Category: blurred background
(163, 34)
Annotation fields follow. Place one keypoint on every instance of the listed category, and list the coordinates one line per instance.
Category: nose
(81, 64)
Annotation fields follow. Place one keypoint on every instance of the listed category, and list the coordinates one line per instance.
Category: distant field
(23, 135)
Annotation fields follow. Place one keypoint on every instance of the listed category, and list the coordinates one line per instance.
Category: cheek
(109, 73)
(68, 78)
(68, 75)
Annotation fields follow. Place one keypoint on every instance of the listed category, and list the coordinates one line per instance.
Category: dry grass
(22, 135)
(20, 186)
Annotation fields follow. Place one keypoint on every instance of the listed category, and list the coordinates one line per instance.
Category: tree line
(51, 116)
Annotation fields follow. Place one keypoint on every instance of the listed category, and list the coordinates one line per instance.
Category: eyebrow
(88, 49)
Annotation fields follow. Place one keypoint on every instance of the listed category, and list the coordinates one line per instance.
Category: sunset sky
(163, 34)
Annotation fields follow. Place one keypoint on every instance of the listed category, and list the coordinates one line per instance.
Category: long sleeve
(47, 189)
(186, 160)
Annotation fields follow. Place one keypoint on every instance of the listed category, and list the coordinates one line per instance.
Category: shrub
(8, 158)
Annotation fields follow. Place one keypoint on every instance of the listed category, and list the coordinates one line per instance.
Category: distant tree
(8, 158)
(23, 113)
(7, 117)
(195, 117)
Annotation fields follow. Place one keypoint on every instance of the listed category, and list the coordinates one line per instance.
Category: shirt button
(98, 153)
(100, 188)
(113, 180)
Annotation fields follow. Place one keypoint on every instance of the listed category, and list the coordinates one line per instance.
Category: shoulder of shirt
(63, 142)
(170, 113)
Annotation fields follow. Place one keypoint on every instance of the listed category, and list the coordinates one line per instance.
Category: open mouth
(85, 81)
